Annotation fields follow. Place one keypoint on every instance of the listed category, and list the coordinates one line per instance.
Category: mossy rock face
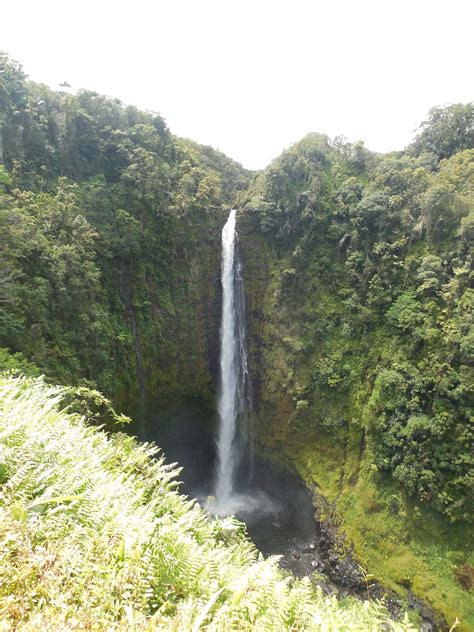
(256, 260)
(174, 319)
(403, 544)
(273, 399)
(185, 359)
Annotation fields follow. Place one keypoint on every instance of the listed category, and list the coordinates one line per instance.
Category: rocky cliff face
(350, 306)
(395, 541)
(271, 368)
(176, 340)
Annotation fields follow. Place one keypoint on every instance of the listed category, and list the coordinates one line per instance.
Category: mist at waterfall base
(282, 525)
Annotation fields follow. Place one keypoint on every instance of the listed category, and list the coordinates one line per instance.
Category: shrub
(94, 535)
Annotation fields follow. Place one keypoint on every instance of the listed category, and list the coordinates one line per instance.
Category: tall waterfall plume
(235, 399)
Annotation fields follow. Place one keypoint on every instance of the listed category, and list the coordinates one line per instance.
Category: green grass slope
(95, 535)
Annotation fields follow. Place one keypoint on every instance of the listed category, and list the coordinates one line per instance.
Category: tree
(12, 94)
(446, 131)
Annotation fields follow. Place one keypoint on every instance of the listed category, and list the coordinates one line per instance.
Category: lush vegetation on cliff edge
(109, 242)
(359, 276)
(358, 273)
(94, 535)
(374, 289)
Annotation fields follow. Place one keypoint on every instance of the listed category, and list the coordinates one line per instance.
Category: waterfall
(235, 400)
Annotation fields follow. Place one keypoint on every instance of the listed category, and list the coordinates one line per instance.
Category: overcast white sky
(252, 77)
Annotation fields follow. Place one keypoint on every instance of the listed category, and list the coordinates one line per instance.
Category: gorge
(357, 271)
(222, 472)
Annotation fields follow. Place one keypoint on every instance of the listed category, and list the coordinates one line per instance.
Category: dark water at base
(283, 522)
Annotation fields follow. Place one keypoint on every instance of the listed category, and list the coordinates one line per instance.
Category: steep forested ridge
(358, 271)
(109, 240)
(359, 278)
(374, 292)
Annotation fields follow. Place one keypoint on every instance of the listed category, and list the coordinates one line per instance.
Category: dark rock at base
(344, 571)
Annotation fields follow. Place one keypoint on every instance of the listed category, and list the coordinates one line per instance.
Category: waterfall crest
(235, 399)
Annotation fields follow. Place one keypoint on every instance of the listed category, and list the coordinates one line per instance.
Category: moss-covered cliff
(356, 270)
(110, 243)
(173, 312)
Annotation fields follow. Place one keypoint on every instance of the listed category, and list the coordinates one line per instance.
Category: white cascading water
(234, 394)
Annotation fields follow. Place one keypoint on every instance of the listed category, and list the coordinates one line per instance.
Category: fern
(95, 535)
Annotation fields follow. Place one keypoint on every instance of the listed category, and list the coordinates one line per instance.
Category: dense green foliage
(359, 278)
(94, 535)
(446, 131)
(103, 214)
(374, 259)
